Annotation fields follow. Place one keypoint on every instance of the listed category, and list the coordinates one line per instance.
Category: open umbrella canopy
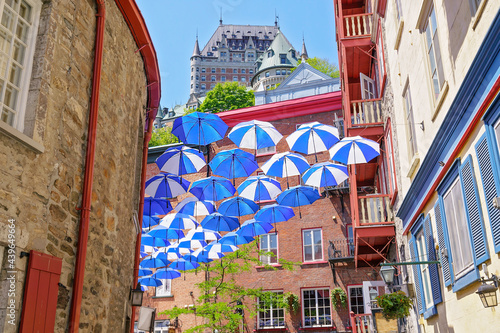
(354, 150)
(274, 213)
(194, 207)
(212, 188)
(253, 228)
(149, 281)
(199, 128)
(285, 165)
(210, 254)
(219, 222)
(259, 188)
(166, 185)
(152, 262)
(149, 240)
(298, 196)
(149, 221)
(325, 174)
(232, 238)
(144, 272)
(179, 221)
(197, 256)
(166, 274)
(254, 134)
(192, 244)
(218, 247)
(166, 233)
(233, 163)
(238, 206)
(202, 234)
(312, 138)
(183, 265)
(181, 161)
(169, 253)
(154, 207)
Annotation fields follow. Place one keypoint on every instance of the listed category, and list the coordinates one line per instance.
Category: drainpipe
(76, 300)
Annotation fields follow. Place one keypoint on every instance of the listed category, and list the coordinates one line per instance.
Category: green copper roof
(279, 48)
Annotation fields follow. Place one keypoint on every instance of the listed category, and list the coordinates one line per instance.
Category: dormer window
(214, 48)
(293, 53)
(269, 54)
(283, 58)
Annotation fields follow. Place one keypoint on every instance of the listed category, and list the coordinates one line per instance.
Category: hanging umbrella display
(285, 164)
(202, 234)
(197, 256)
(238, 206)
(194, 207)
(152, 262)
(149, 221)
(169, 253)
(166, 274)
(166, 233)
(181, 161)
(234, 163)
(183, 265)
(274, 213)
(153, 241)
(165, 185)
(253, 228)
(146, 250)
(149, 281)
(259, 188)
(144, 272)
(254, 134)
(154, 207)
(219, 222)
(192, 244)
(354, 150)
(232, 238)
(298, 196)
(312, 138)
(178, 221)
(325, 174)
(210, 254)
(218, 247)
(212, 188)
(199, 128)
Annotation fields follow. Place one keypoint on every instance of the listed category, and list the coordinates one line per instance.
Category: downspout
(76, 300)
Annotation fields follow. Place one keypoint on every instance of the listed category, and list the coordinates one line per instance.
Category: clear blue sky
(172, 25)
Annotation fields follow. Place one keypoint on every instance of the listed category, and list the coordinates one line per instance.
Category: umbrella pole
(314, 146)
(297, 193)
(324, 178)
(286, 170)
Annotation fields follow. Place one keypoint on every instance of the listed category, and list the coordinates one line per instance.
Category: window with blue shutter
(443, 248)
(416, 278)
(433, 268)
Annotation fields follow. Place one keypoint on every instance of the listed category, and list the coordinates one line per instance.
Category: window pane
(307, 238)
(308, 253)
(8, 19)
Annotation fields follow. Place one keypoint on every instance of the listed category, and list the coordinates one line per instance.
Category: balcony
(366, 112)
(362, 323)
(341, 250)
(375, 209)
(358, 25)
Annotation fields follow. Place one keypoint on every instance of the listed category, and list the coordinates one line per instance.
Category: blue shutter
(490, 189)
(444, 253)
(416, 277)
(433, 268)
(473, 211)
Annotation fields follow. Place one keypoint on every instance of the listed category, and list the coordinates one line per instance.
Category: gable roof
(303, 74)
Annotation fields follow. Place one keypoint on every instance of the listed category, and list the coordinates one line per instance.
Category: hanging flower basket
(339, 298)
(395, 305)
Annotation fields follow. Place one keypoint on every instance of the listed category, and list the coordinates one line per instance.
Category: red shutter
(40, 293)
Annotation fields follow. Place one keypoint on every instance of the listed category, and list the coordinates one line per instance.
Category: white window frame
(371, 89)
(312, 245)
(496, 130)
(165, 289)
(438, 71)
(267, 259)
(24, 80)
(271, 311)
(424, 268)
(359, 293)
(399, 10)
(411, 140)
(316, 308)
(160, 329)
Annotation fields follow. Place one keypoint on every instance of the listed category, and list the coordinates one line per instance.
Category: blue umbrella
(233, 164)
(150, 281)
(238, 206)
(166, 274)
(169, 253)
(143, 272)
(232, 238)
(191, 244)
(149, 240)
(183, 265)
(166, 233)
(209, 254)
(165, 185)
(254, 134)
(354, 150)
(325, 174)
(298, 196)
(218, 247)
(146, 250)
(313, 137)
(149, 221)
(274, 213)
(181, 160)
(179, 221)
(259, 188)
(153, 206)
(202, 234)
(285, 164)
(253, 228)
(197, 256)
(219, 222)
(199, 128)
(212, 188)
(152, 262)
(194, 207)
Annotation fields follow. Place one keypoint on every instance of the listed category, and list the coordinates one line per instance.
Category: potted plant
(395, 305)
(292, 302)
(339, 298)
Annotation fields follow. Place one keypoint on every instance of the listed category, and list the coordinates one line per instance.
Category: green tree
(162, 136)
(227, 96)
(323, 65)
(222, 299)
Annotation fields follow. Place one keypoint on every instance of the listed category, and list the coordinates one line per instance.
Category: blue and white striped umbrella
(202, 234)
(169, 253)
(254, 228)
(312, 138)
(183, 265)
(149, 281)
(194, 207)
(165, 185)
(325, 174)
(197, 256)
(181, 161)
(149, 240)
(232, 238)
(354, 150)
(212, 188)
(298, 196)
(254, 134)
(166, 274)
(285, 165)
(178, 221)
(233, 163)
(192, 244)
(166, 233)
(210, 254)
(146, 250)
(199, 128)
(219, 222)
(274, 213)
(238, 206)
(259, 188)
(218, 247)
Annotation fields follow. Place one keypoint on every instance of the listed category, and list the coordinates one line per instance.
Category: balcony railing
(362, 323)
(365, 112)
(375, 209)
(341, 250)
(359, 25)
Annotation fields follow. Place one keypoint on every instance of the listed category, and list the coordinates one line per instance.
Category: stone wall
(42, 191)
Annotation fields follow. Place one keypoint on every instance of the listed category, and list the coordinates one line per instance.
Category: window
(235, 70)
(278, 72)
(474, 6)
(197, 77)
(165, 289)
(191, 86)
(162, 326)
(283, 72)
(243, 71)
(434, 52)
(283, 58)
(269, 54)
(424, 269)
(203, 86)
(223, 78)
(399, 10)
(223, 70)
(243, 79)
(192, 69)
(270, 315)
(288, 72)
(410, 124)
(213, 70)
(212, 86)
(203, 70)
(497, 134)
(235, 78)
(293, 53)
(197, 86)
(266, 151)
(316, 307)
(203, 78)
(269, 243)
(312, 245)
(192, 77)
(212, 78)
(197, 69)
(267, 74)
(356, 301)
(250, 71)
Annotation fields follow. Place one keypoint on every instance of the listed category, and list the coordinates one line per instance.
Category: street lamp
(488, 292)
(136, 295)
(387, 274)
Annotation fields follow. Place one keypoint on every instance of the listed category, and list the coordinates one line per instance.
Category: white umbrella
(254, 134)
(354, 150)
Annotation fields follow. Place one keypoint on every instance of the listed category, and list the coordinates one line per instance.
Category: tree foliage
(323, 65)
(162, 136)
(222, 300)
(227, 96)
